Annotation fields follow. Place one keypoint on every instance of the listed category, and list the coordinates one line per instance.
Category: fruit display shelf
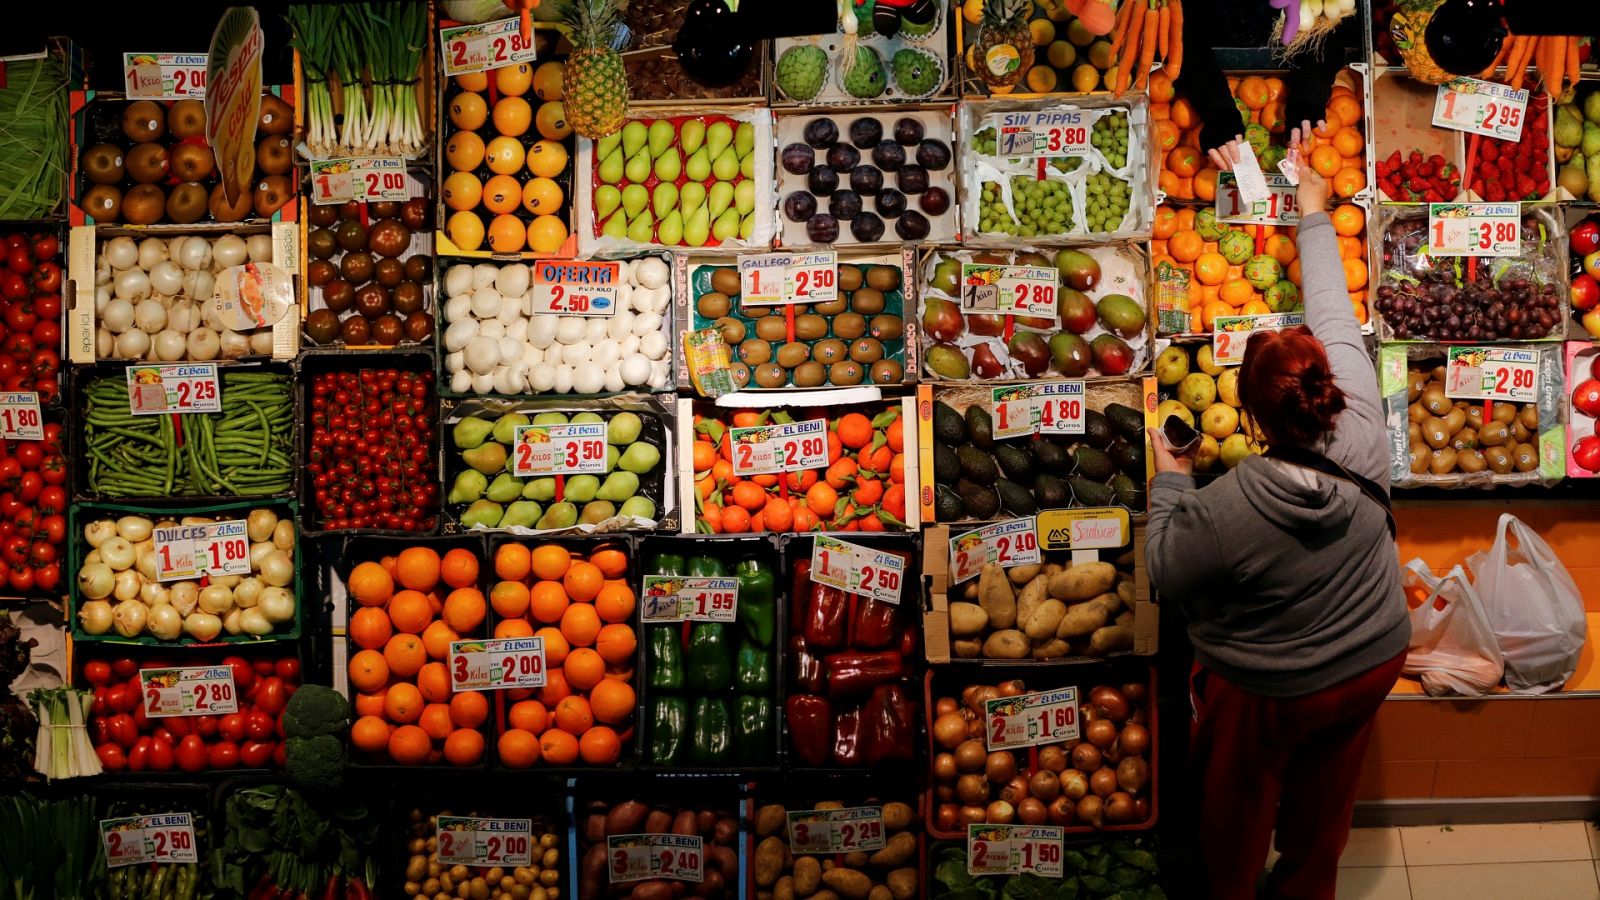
(900, 55)
(1068, 60)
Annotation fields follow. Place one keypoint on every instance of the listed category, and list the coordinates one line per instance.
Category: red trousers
(1290, 763)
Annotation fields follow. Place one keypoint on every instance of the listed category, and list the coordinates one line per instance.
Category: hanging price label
(167, 838)
(1041, 407)
(203, 691)
(1480, 107)
(1010, 290)
(1097, 528)
(1279, 208)
(781, 447)
(19, 416)
(485, 842)
(164, 76)
(498, 664)
(1044, 132)
(836, 830)
(1474, 229)
(1014, 849)
(364, 179)
(780, 279)
(569, 287)
(183, 388)
(1031, 720)
(559, 449)
(673, 598)
(1492, 373)
(641, 857)
(1010, 543)
(474, 48)
(189, 551)
(857, 569)
(1231, 334)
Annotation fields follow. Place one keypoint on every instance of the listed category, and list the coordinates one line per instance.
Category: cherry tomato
(272, 696)
(111, 757)
(257, 754)
(139, 756)
(161, 753)
(97, 672)
(191, 754)
(224, 755)
(232, 727)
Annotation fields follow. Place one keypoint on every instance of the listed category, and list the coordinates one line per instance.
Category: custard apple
(801, 71)
(916, 72)
(866, 80)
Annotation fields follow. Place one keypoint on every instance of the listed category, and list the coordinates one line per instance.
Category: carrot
(1499, 59)
(1558, 66)
(1147, 50)
(1517, 64)
(1542, 60)
(1131, 48)
(1164, 31)
(1572, 60)
(1119, 36)
(1175, 58)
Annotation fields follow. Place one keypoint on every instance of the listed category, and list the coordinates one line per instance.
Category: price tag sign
(1042, 407)
(182, 388)
(1096, 528)
(475, 48)
(1279, 208)
(559, 449)
(673, 598)
(1492, 373)
(1474, 229)
(167, 838)
(1010, 543)
(1011, 290)
(571, 287)
(204, 691)
(189, 551)
(1014, 849)
(1043, 132)
(19, 416)
(499, 664)
(485, 842)
(364, 179)
(642, 857)
(781, 279)
(1480, 107)
(857, 569)
(1231, 334)
(780, 447)
(836, 830)
(1030, 720)
(164, 76)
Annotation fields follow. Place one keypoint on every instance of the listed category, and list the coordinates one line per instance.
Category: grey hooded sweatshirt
(1288, 578)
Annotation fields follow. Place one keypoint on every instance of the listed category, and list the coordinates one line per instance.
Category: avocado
(1129, 457)
(1049, 457)
(1089, 493)
(946, 466)
(1092, 464)
(1097, 429)
(1051, 492)
(980, 500)
(980, 428)
(1015, 463)
(1015, 499)
(1128, 422)
(1128, 492)
(948, 426)
(947, 506)
(976, 465)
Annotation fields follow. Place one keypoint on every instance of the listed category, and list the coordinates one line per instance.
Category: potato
(1111, 639)
(726, 861)
(968, 648)
(784, 889)
(1083, 619)
(771, 819)
(1055, 648)
(897, 850)
(1008, 644)
(996, 597)
(880, 892)
(1021, 575)
(652, 890)
(1028, 599)
(828, 804)
(898, 816)
(824, 895)
(1125, 618)
(1111, 601)
(763, 895)
(625, 818)
(769, 860)
(1125, 590)
(848, 883)
(967, 619)
(658, 822)
(1083, 581)
(1045, 619)
(970, 591)
(807, 875)
(903, 883)
(684, 824)
(855, 860)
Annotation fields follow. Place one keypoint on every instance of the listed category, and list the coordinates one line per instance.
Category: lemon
(1062, 55)
(972, 11)
(1085, 78)
(1041, 79)
(1043, 32)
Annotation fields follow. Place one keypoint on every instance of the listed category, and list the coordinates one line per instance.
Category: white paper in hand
(1247, 172)
(1290, 166)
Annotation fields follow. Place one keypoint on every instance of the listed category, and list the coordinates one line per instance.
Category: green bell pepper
(752, 728)
(666, 658)
(708, 660)
(711, 732)
(667, 564)
(758, 600)
(706, 567)
(752, 669)
(669, 727)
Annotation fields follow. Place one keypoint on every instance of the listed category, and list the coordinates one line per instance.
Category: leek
(63, 747)
(373, 51)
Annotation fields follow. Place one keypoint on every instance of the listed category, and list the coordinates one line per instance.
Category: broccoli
(315, 711)
(315, 762)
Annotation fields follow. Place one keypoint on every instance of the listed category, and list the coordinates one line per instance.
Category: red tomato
(191, 754)
(224, 755)
(123, 667)
(47, 578)
(288, 669)
(119, 698)
(123, 730)
(232, 727)
(99, 730)
(111, 757)
(139, 756)
(30, 486)
(46, 246)
(243, 675)
(272, 696)
(161, 754)
(206, 726)
(47, 277)
(52, 500)
(30, 454)
(263, 667)
(180, 726)
(257, 754)
(97, 672)
(258, 725)
(21, 578)
(54, 528)
(280, 756)
(42, 553)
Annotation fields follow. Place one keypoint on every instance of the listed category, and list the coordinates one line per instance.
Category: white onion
(183, 317)
(117, 552)
(277, 604)
(203, 288)
(132, 344)
(229, 250)
(204, 344)
(283, 536)
(96, 581)
(215, 599)
(252, 621)
(145, 564)
(276, 568)
(512, 280)
(260, 248)
(185, 595)
(259, 524)
(95, 616)
(164, 623)
(154, 593)
(149, 315)
(170, 345)
(152, 251)
(121, 253)
(118, 316)
(105, 343)
(248, 593)
(233, 344)
(202, 626)
(166, 279)
(261, 342)
(458, 281)
(96, 532)
(126, 585)
(129, 617)
(194, 254)
(102, 297)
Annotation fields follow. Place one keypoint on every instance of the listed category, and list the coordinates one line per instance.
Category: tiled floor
(1548, 861)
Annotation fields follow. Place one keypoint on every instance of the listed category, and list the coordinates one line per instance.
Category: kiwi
(1525, 457)
(810, 328)
(1529, 417)
(883, 278)
(772, 328)
(887, 371)
(809, 374)
(846, 372)
(1499, 458)
(830, 351)
(186, 119)
(755, 352)
(771, 375)
(740, 373)
(867, 301)
(733, 330)
(187, 203)
(1493, 433)
(866, 351)
(712, 306)
(849, 326)
(886, 327)
(840, 303)
(144, 121)
(1444, 461)
(144, 204)
(1436, 433)
(792, 355)
(1471, 461)
(1434, 400)
(725, 279)
(148, 163)
(849, 278)
(103, 164)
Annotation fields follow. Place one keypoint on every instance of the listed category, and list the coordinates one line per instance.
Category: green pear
(470, 432)
(638, 167)
(718, 137)
(697, 230)
(521, 514)
(616, 226)
(670, 229)
(482, 512)
(468, 486)
(664, 198)
(747, 226)
(691, 135)
(661, 135)
(744, 138)
(727, 225)
(597, 512)
(698, 168)
(486, 458)
(725, 166)
(690, 196)
(635, 197)
(669, 165)
(612, 455)
(624, 429)
(587, 418)
(618, 487)
(718, 198)
(640, 457)
(540, 489)
(744, 196)
(505, 427)
(747, 167)
(550, 418)
(605, 145)
(634, 134)
(639, 507)
(611, 167)
(1591, 139)
(606, 199)
(505, 488)
(559, 515)
(581, 488)
(641, 230)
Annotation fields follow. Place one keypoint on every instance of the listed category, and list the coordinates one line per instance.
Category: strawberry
(1393, 162)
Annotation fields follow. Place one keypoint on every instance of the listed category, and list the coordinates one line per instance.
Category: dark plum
(821, 133)
(822, 181)
(908, 131)
(799, 206)
(912, 179)
(866, 180)
(889, 156)
(866, 132)
(891, 203)
(867, 228)
(935, 201)
(843, 157)
(935, 154)
(845, 204)
(822, 228)
(912, 225)
(798, 159)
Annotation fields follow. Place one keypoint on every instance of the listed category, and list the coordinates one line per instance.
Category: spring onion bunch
(33, 145)
(63, 749)
(372, 50)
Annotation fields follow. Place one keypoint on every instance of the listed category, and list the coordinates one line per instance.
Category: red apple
(1591, 322)
(1586, 398)
(1585, 292)
(1585, 237)
(1586, 452)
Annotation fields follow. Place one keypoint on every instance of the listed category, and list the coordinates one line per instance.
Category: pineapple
(594, 84)
(1005, 46)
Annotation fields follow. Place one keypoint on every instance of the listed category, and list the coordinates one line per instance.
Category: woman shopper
(1287, 573)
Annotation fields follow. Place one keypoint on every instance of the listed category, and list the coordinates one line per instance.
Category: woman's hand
(1312, 193)
(1225, 156)
(1166, 460)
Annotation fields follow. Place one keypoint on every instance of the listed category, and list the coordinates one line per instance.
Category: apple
(1586, 398)
(1591, 264)
(1585, 237)
(1585, 292)
(1586, 452)
(1591, 323)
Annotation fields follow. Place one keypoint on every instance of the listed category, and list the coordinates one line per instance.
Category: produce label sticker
(1094, 528)
(1030, 720)
(203, 691)
(166, 838)
(1042, 407)
(485, 842)
(1279, 208)
(1009, 290)
(19, 416)
(490, 45)
(779, 279)
(498, 664)
(164, 76)
(1474, 229)
(538, 450)
(189, 551)
(780, 447)
(856, 569)
(181, 388)
(1480, 107)
(1011, 543)
(1492, 373)
(836, 830)
(364, 179)
(573, 287)
(1014, 849)
(642, 857)
(1231, 334)
(674, 598)
(254, 295)
(1044, 132)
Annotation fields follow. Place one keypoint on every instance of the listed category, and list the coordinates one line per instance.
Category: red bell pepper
(827, 618)
(875, 627)
(851, 674)
(807, 667)
(810, 719)
(847, 738)
(889, 725)
(802, 591)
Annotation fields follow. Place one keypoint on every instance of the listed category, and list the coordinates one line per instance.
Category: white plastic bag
(1533, 606)
(1453, 649)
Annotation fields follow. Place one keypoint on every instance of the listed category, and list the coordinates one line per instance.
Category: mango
(1121, 314)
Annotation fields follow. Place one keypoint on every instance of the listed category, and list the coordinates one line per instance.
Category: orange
(1355, 274)
(512, 562)
(464, 747)
(517, 749)
(1325, 160)
(464, 151)
(1210, 268)
(417, 568)
(513, 81)
(370, 584)
(1348, 142)
(541, 196)
(370, 733)
(509, 598)
(705, 456)
(555, 646)
(462, 191)
(548, 601)
(1349, 181)
(615, 643)
(459, 568)
(1205, 184)
(472, 81)
(584, 668)
(558, 747)
(502, 195)
(1183, 114)
(583, 581)
(1213, 309)
(855, 430)
(600, 746)
(369, 628)
(1171, 185)
(551, 120)
(1281, 248)
(433, 679)
(615, 603)
(1186, 246)
(555, 686)
(1165, 224)
(573, 715)
(505, 155)
(1186, 218)
(513, 628)
(1275, 87)
(546, 234)
(1236, 292)
(465, 229)
(1330, 125)
(529, 715)
(468, 709)
(580, 624)
(410, 745)
(547, 159)
(612, 701)
(435, 720)
(405, 655)
(410, 612)
(1348, 220)
(1347, 108)
(1184, 161)
(1255, 308)
(550, 562)
(512, 116)
(1275, 116)
(404, 703)
(369, 671)
(1253, 91)
(1161, 90)
(436, 639)
(371, 704)
(820, 499)
(611, 561)
(468, 111)
(1349, 247)
(464, 609)
(749, 495)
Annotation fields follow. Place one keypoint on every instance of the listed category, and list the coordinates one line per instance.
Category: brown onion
(1053, 758)
(972, 790)
(1045, 785)
(1000, 813)
(1074, 784)
(1091, 811)
(1132, 774)
(1135, 692)
(1000, 766)
(949, 730)
(1103, 782)
(946, 705)
(1120, 809)
(1062, 810)
(1086, 757)
(970, 756)
(1010, 688)
(945, 817)
(1015, 790)
(944, 767)
(1032, 812)
(1109, 703)
(1101, 733)
(971, 815)
(1135, 739)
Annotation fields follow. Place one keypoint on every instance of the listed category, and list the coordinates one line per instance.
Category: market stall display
(426, 875)
(32, 285)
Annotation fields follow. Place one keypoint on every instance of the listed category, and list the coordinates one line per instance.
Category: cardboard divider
(1406, 124)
